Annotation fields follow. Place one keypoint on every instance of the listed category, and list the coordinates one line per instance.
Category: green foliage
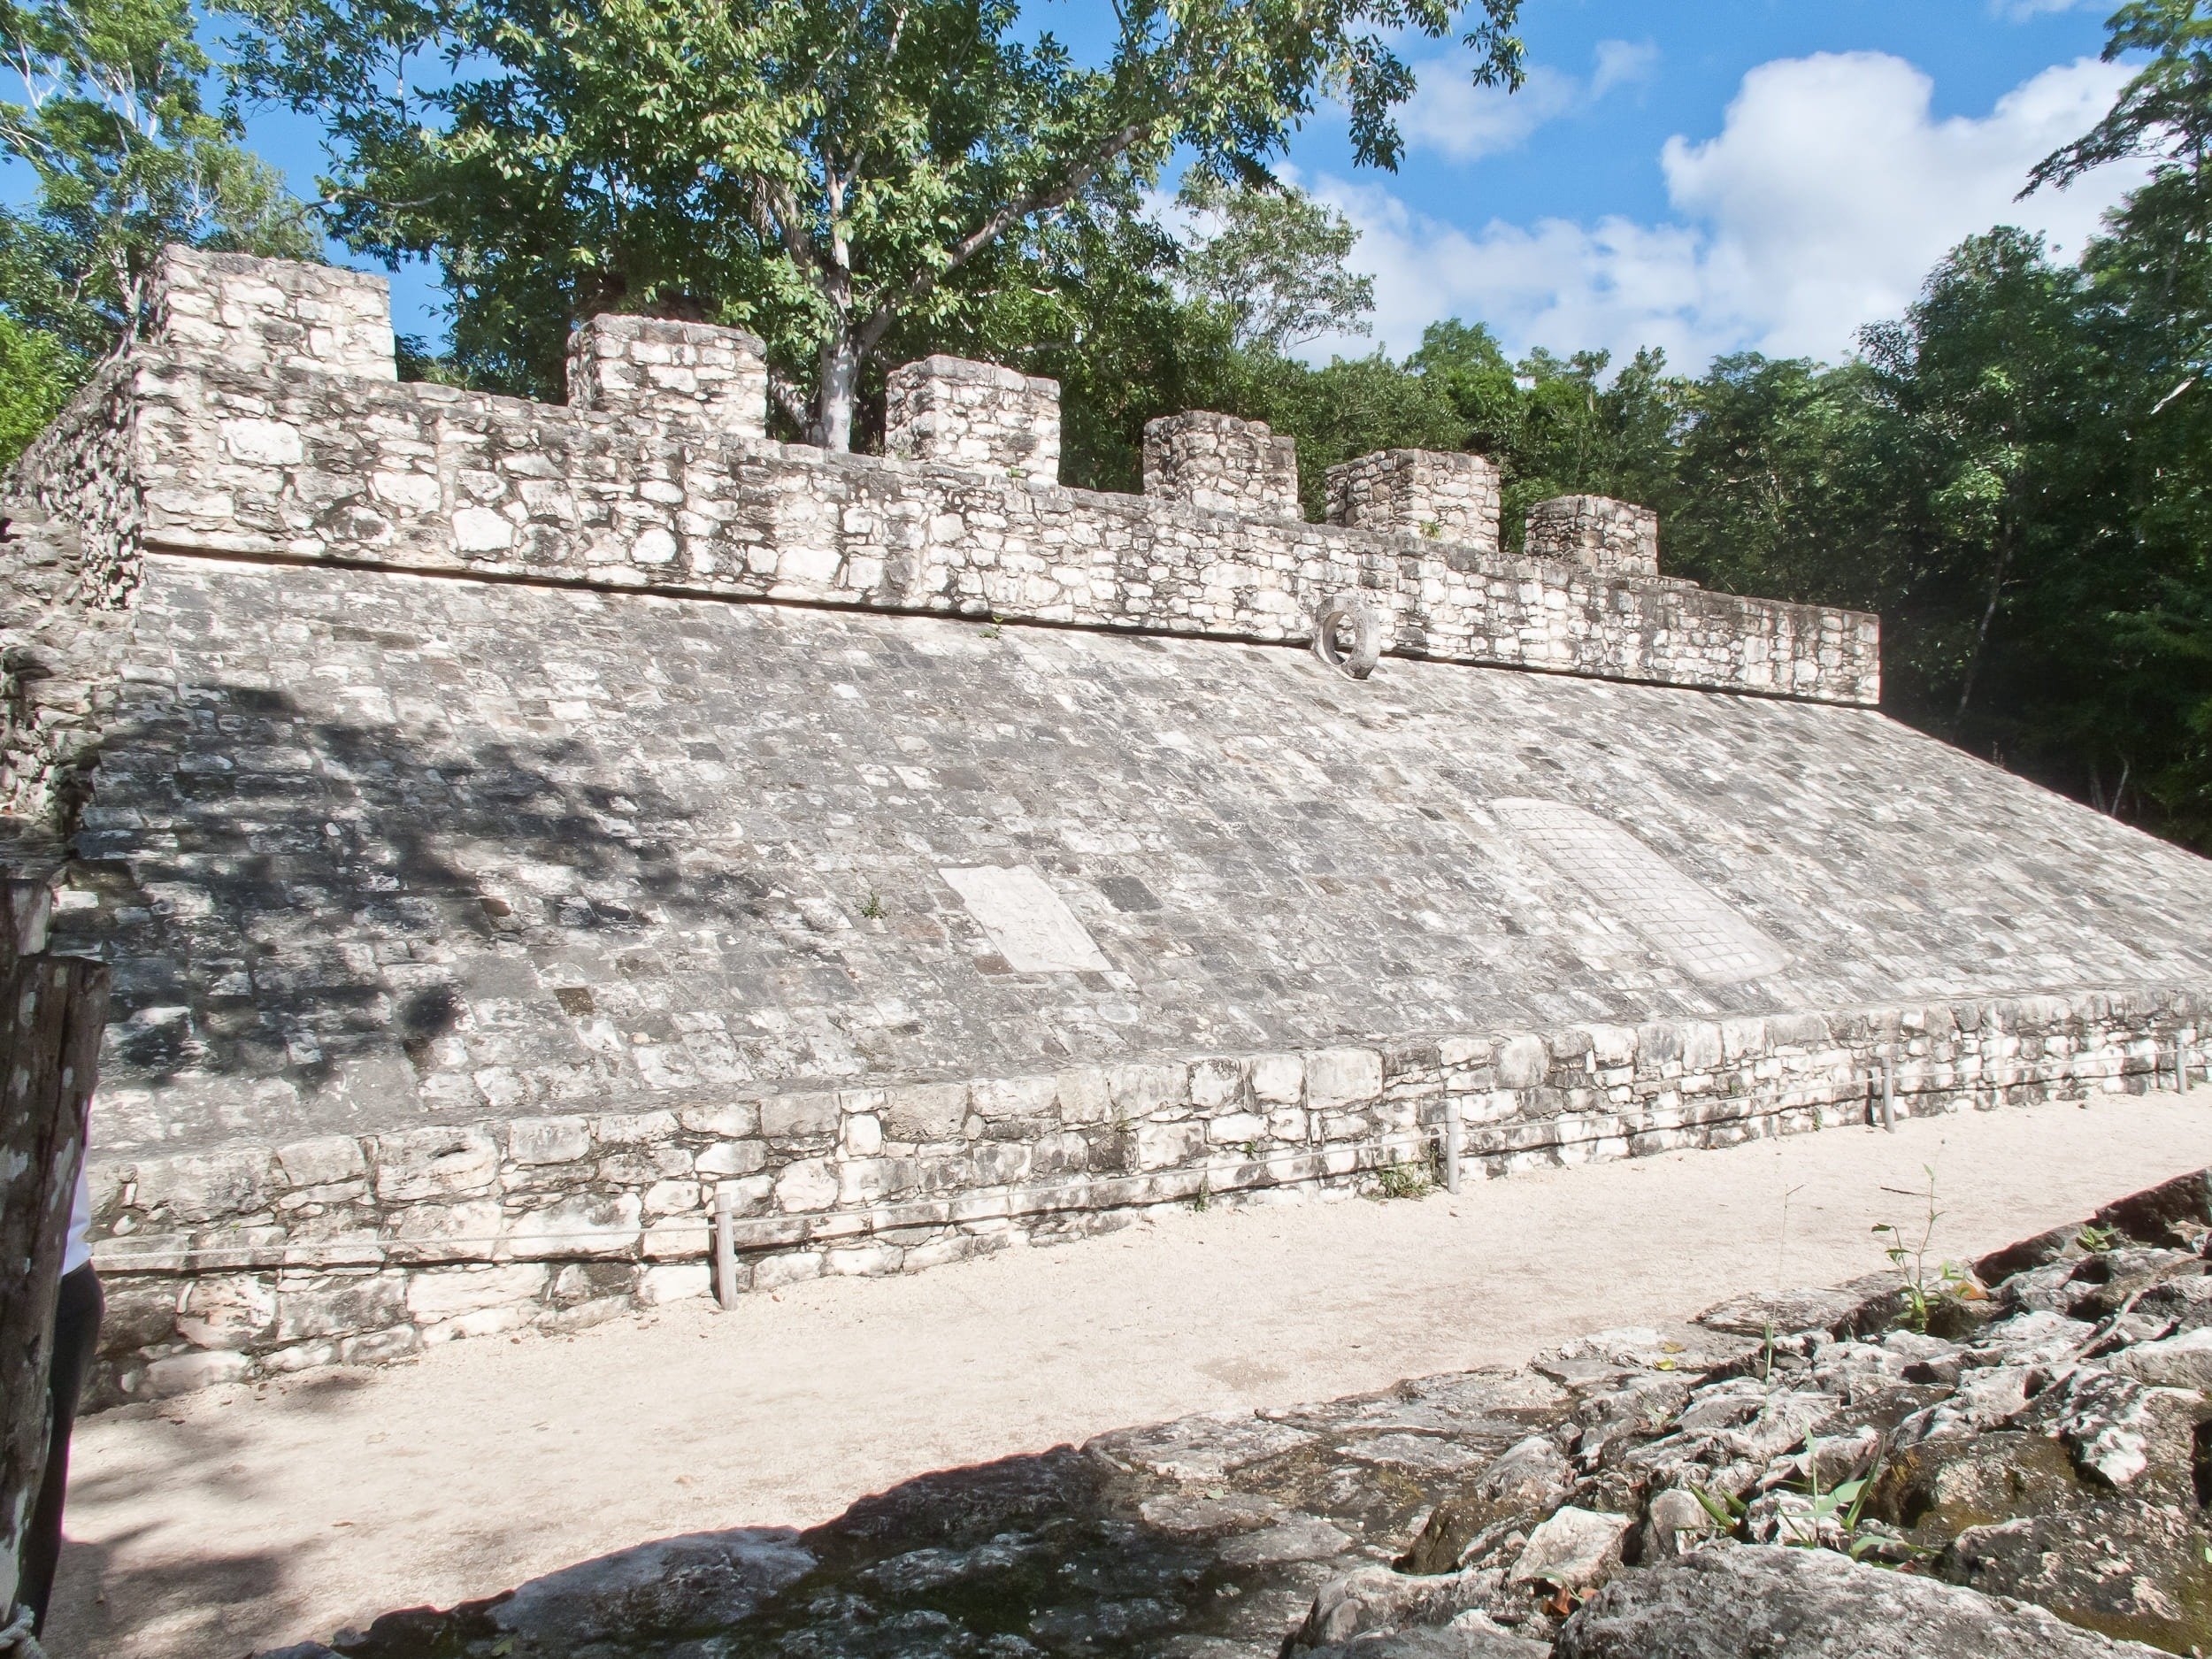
(37, 373)
(1925, 1289)
(110, 119)
(1274, 268)
(825, 173)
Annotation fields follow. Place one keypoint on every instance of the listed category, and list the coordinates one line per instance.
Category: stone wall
(663, 371)
(1220, 464)
(1597, 533)
(652, 482)
(275, 315)
(257, 1259)
(1447, 498)
(974, 415)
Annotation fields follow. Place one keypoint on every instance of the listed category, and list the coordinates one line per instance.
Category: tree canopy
(825, 173)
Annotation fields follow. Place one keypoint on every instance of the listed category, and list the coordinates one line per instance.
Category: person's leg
(76, 1331)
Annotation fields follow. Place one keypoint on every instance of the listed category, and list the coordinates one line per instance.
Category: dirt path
(232, 1519)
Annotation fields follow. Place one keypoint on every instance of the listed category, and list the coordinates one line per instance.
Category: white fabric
(79, 1250)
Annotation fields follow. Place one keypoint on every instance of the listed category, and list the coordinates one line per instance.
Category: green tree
(1273, 264)
(823, 172)
(110, 119)
(37, 373)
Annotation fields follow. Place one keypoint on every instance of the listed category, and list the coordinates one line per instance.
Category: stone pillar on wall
(273, 313)
(974, 415)
(1439, 496)
(658, 368)
(1596, 532)
(1222, 463)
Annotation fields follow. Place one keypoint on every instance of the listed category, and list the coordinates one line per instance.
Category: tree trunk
(49, 1049)
(1981, 634)
(833, 393)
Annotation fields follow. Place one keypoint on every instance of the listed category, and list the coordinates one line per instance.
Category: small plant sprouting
(2098, 1240)
(1201, 1201)
(872, 911)
(1431, 530)
(1407, 1180)
(994, 628)
(1924, 1291)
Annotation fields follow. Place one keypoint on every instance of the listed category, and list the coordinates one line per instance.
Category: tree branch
(1020, 208)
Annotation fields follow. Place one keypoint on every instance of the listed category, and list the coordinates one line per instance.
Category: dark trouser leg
(76, 1329)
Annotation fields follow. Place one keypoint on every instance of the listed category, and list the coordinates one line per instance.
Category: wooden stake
(726, 1247)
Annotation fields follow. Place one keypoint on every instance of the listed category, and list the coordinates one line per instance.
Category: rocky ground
(2009, 1459)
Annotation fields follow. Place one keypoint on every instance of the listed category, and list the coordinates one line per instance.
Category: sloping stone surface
(367, 848)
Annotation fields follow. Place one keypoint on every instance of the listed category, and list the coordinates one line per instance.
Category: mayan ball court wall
(521, 833)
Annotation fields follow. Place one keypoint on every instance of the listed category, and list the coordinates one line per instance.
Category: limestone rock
(2177, 1362)
(1525, 1482)
(1576, 1549)
(1750, 1602)
(675, 1584)
(1455, 1640)
(2132, 1570)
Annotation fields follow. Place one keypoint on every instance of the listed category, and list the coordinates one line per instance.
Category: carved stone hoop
(1340, 610)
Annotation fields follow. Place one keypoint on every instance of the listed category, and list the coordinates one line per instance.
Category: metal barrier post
(725, 1247)
(1451, 1143)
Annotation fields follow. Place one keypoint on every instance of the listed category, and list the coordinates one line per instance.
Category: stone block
(1446, 498)
(585, 1223)
(323, 1161)
(653, 368)
(1221, 464)
(227, 1310)
(674, 1282)
(536, 1140)
(733, 1158)
(974, 415)
(205, 1185)
(926, 1112)
(420, 1163)
(1597, 533)
(444, 1293)
(274, 314)
(1342, 1077)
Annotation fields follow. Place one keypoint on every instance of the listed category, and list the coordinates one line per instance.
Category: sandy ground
(239, 1518)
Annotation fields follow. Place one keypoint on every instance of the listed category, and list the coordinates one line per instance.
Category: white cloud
(1828, 194)
(1448, 113)
(1622, 64)
(2020, 10)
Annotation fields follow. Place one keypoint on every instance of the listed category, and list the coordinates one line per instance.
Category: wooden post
(725, 1247)
(1451, 1143)
(1889, 1093)
(51, 1020)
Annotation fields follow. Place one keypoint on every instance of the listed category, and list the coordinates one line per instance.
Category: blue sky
(1702, 175)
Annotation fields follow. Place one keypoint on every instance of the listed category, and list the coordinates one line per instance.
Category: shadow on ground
(1205, 1536)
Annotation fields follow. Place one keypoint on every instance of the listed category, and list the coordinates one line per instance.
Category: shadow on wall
(292, 897)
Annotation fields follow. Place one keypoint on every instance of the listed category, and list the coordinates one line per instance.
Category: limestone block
(585, 1223)
(1221, 464)
(419, 1164)
(1447, 499)
(203, 1187)
(444, 1293)
(1597, 533)
(974, 415)
(274, 314)
(655, 368)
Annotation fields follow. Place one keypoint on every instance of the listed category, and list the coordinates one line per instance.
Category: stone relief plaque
(1693, 926)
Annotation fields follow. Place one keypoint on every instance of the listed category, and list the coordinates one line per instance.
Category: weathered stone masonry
(343, 1250)
(487, 893)
(316, 462)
